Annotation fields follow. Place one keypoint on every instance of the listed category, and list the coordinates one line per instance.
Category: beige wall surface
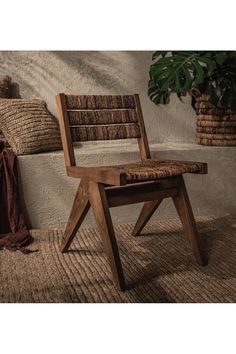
(44, 74)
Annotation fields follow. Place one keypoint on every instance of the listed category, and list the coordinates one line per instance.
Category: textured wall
(44, 74)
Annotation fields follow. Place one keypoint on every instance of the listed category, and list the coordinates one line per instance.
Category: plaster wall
(44, 74)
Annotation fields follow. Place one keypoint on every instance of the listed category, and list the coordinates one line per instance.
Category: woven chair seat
(156, 169)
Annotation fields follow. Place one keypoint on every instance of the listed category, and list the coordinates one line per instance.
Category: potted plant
(210, 78)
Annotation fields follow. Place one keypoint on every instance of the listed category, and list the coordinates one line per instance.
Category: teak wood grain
(65, 130)
(184, 209)
(79, 210)
(147, 211)
(142, 141)
(106, 187)
(102, 214)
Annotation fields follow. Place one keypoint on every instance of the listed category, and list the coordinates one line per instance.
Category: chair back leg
(184, 209)
(99, 203)
(79, 210)
(147, 211)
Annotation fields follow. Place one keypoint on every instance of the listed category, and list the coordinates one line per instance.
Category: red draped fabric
(14, 234)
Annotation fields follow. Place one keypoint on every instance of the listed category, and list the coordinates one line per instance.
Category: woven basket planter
(215, 126)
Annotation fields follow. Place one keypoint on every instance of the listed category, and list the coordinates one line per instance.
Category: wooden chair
(87, 118)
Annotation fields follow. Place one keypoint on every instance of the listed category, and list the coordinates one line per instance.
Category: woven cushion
(155, 169)
(5, 82)
(28, 126)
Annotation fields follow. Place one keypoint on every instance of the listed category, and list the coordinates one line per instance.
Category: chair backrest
(100, 117)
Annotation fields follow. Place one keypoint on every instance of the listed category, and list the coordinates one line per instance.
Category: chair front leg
(184, 209)
(99, 203)
(79, 210)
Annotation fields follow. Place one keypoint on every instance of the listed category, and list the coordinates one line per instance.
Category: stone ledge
(48, 193)
(124, 147)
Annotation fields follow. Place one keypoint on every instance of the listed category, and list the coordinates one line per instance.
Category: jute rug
(158, 266)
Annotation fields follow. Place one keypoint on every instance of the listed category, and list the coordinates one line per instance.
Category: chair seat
(156, 169)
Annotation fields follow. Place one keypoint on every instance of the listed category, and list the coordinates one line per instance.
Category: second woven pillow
(5, 82)
(28, 126)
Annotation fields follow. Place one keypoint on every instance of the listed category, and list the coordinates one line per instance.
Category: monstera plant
(210, 78)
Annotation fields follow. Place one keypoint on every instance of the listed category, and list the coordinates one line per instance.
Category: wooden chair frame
(103, 188)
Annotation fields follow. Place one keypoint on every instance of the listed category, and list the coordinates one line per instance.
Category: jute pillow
(5, 83)
(28, 126)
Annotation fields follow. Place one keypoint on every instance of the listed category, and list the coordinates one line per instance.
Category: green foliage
(194, 72)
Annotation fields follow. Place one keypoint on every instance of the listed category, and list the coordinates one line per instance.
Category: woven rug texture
(158, 266)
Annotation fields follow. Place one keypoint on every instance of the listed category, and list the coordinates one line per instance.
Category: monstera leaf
(222, 84)
(180, 72)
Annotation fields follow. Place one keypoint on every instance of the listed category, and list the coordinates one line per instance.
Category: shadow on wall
(44, 74)
(174, 122)
(15, 90)
(94, 67)
(53, 72)
(31, 71)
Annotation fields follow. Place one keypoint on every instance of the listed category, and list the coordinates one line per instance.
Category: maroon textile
(13, 231)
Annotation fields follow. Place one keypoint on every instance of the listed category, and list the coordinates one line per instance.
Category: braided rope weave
(28, 126)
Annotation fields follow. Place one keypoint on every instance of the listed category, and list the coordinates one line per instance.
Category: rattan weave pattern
(106, 132)
(102, 117)
(100, 102)
(5, 82)
(216, 142)
(156, 169)
(28, 126)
